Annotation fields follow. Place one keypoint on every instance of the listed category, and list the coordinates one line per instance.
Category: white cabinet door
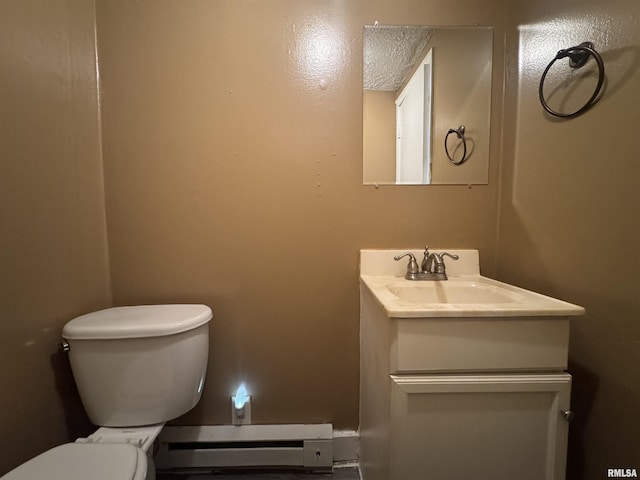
(479, 427)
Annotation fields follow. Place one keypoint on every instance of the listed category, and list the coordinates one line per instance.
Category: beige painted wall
(52, 224)
(569, 215)
(378, 137)
(232, 137)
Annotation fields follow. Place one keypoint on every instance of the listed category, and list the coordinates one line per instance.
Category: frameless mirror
(426, 104)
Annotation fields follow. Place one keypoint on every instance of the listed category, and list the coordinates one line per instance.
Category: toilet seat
(141, 437)
(85, 461)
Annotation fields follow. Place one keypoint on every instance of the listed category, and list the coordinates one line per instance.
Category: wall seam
(101, 155)
(501, 153)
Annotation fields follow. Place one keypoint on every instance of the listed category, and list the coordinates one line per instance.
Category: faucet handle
(450, 255)
(440, 267)
(412, 266)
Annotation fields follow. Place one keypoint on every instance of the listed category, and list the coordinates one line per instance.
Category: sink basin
(465, 294)
(458, 292)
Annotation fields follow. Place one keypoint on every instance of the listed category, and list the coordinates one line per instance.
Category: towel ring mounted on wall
(578, 57)
(460, 134)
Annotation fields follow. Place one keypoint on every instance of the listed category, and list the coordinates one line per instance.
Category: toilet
(135, 368)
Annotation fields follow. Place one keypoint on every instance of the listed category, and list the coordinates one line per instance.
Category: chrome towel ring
(578, 57)
(460, 134)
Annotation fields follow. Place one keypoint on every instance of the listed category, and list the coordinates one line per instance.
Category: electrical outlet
(241, 416)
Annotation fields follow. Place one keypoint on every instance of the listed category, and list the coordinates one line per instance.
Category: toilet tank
(139, 365)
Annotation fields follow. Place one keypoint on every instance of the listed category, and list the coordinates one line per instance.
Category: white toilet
(135, 368)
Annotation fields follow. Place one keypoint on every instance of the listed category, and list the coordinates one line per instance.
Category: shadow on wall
(629, 57)
(76, 420)
(584, 387)
(528, 271)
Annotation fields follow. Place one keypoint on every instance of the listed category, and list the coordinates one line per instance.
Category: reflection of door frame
(424, 75)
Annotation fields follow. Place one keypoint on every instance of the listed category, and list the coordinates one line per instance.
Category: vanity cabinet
(462, 398)
(468, 427)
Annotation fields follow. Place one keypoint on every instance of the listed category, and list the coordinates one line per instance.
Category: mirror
(422, 85)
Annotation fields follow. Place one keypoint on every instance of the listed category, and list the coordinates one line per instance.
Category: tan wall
(569, 215)
(232, 148)
(53, 253)
(379, 137)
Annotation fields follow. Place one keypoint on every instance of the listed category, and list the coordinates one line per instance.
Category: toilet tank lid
(140, 321)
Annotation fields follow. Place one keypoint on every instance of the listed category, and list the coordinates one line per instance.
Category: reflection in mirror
(419, 82)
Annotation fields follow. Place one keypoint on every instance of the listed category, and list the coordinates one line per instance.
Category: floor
(343, 473)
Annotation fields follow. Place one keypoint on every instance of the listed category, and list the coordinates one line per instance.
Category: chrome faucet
(432, 267)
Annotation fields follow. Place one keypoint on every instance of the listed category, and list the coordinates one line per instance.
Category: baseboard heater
(246, 446)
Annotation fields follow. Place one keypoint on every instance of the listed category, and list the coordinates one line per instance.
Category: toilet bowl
(135, 369)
